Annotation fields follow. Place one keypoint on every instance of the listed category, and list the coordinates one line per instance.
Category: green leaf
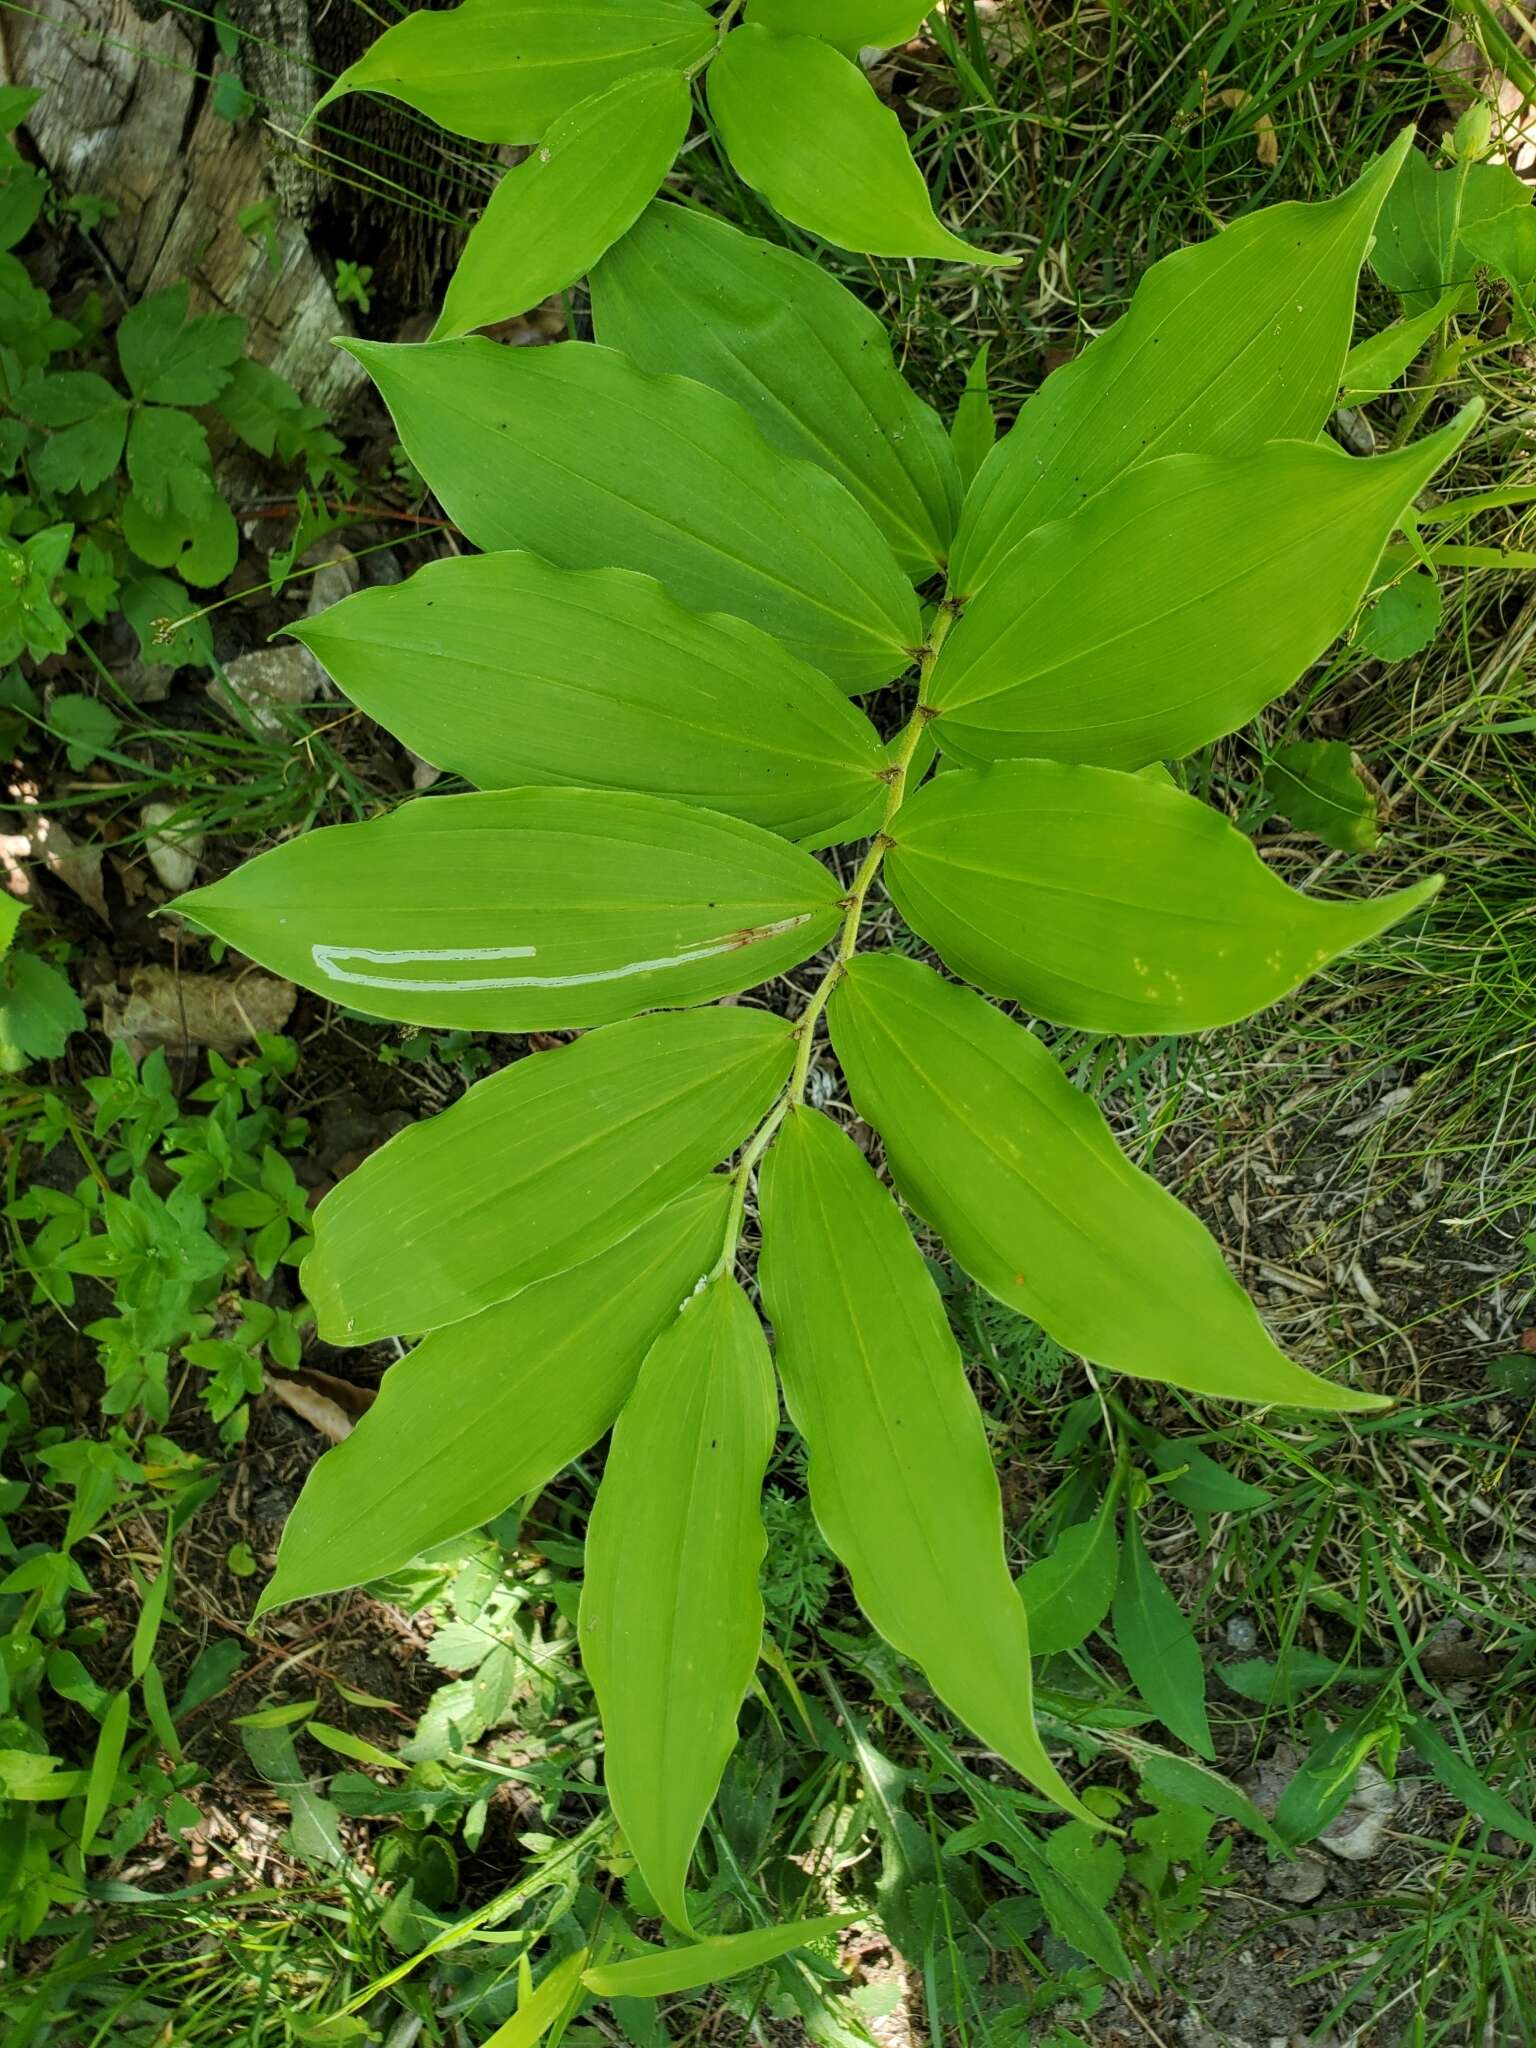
(1158, 1646)
(38, 1011)
(147, 1627)
(539, 1167)
(901, 1480)
(172, 357)
(802, 125)
(1202, 1485)
(1467, 1785)
(85, 724)
(341, 1742)
(1374, 365)
(707, 1962)
(508, 671)
(11, 914)
(1507, 243)
(527, 909)
(22, 192)
(283, 1716)
(200, 546)
(1290, 1675)
(1179, 1778)
(16, 102)
(1110, 902)
(576, 453)
(1177, 604)
(1074, 1917)
(105, 1758)
(1017, 1171)
(168, 462)
(1314, 784)
(535, 1382)
(1320, 1789)
(537, 2013)
(1067, 1593)
(549, 220)
(260, 406)
(671, 1617)
(1226, 345)
(852, 24)
(809, 361)
(974, 430)
(152, 605)
(87, 422)
(1089, 1860)
(316, 1830)
(1404, 619)
(504, 70)
(1420, 250)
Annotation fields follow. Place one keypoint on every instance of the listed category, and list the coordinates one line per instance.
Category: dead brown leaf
(326, 1403)
(1266, 141)
(177, 1011)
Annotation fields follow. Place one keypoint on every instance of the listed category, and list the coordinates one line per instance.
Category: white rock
(174, 850)
(335, 579)
(1359, 1831)
(270, 682)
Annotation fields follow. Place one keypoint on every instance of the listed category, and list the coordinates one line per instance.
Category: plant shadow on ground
(1366, 1153)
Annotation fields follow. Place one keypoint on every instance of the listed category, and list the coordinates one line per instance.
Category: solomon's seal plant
(649, 674)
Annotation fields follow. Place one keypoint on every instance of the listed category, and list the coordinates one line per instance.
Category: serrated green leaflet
(801, 124)
(1018, 1172)
(807, 359)
(490, 1410)
(706, 1962)
(1177, 604)
(576, 453)
(1237, 341)
(1109, 902)
(527, 909)
(552, 217)
(509, 671)
(901, 1481)
(504, 70)
(171, 356)
(538, 1168)
(670, 1612)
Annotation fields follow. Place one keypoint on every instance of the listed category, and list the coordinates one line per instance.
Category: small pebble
(1242, 1636)
(173, 854)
